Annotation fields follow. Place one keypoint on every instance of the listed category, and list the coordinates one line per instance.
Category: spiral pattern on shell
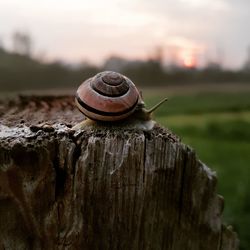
(108, 96)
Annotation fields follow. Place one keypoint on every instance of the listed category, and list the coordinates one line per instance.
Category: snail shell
(108, 96)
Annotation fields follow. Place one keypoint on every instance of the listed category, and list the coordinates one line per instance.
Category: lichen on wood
(103, 188)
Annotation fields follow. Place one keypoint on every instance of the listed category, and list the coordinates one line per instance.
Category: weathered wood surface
(109, 188)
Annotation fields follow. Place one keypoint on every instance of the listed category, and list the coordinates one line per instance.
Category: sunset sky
(188, 31)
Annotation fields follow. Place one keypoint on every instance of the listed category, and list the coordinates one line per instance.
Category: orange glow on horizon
(189, 62)
(188, 59)
(185, 52)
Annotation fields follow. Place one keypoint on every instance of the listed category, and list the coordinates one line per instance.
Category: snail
(112, 98)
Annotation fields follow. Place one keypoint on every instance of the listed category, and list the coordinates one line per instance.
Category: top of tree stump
(177, 183)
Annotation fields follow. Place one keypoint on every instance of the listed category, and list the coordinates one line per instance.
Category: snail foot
(83, 125)
(133, 124)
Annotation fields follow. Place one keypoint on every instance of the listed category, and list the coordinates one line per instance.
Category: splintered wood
(109, 188)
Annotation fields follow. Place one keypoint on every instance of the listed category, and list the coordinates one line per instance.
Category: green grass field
(217, 126)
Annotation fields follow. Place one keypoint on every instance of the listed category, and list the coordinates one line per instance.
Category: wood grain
(104, 188)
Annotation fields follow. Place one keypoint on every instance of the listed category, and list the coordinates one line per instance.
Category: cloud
(76, 29)
(217, 24)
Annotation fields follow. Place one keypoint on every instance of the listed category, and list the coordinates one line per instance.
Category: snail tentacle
(151, 110)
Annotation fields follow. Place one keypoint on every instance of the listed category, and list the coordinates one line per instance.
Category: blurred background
(196, 52)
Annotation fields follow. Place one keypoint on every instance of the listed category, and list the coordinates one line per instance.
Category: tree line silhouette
(19, 71)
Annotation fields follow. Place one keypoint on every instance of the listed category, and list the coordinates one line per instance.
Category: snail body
(111, 97)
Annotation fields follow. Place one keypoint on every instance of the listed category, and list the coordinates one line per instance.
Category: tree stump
(105, 188)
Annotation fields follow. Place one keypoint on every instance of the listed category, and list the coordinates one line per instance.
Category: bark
(101, 188)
